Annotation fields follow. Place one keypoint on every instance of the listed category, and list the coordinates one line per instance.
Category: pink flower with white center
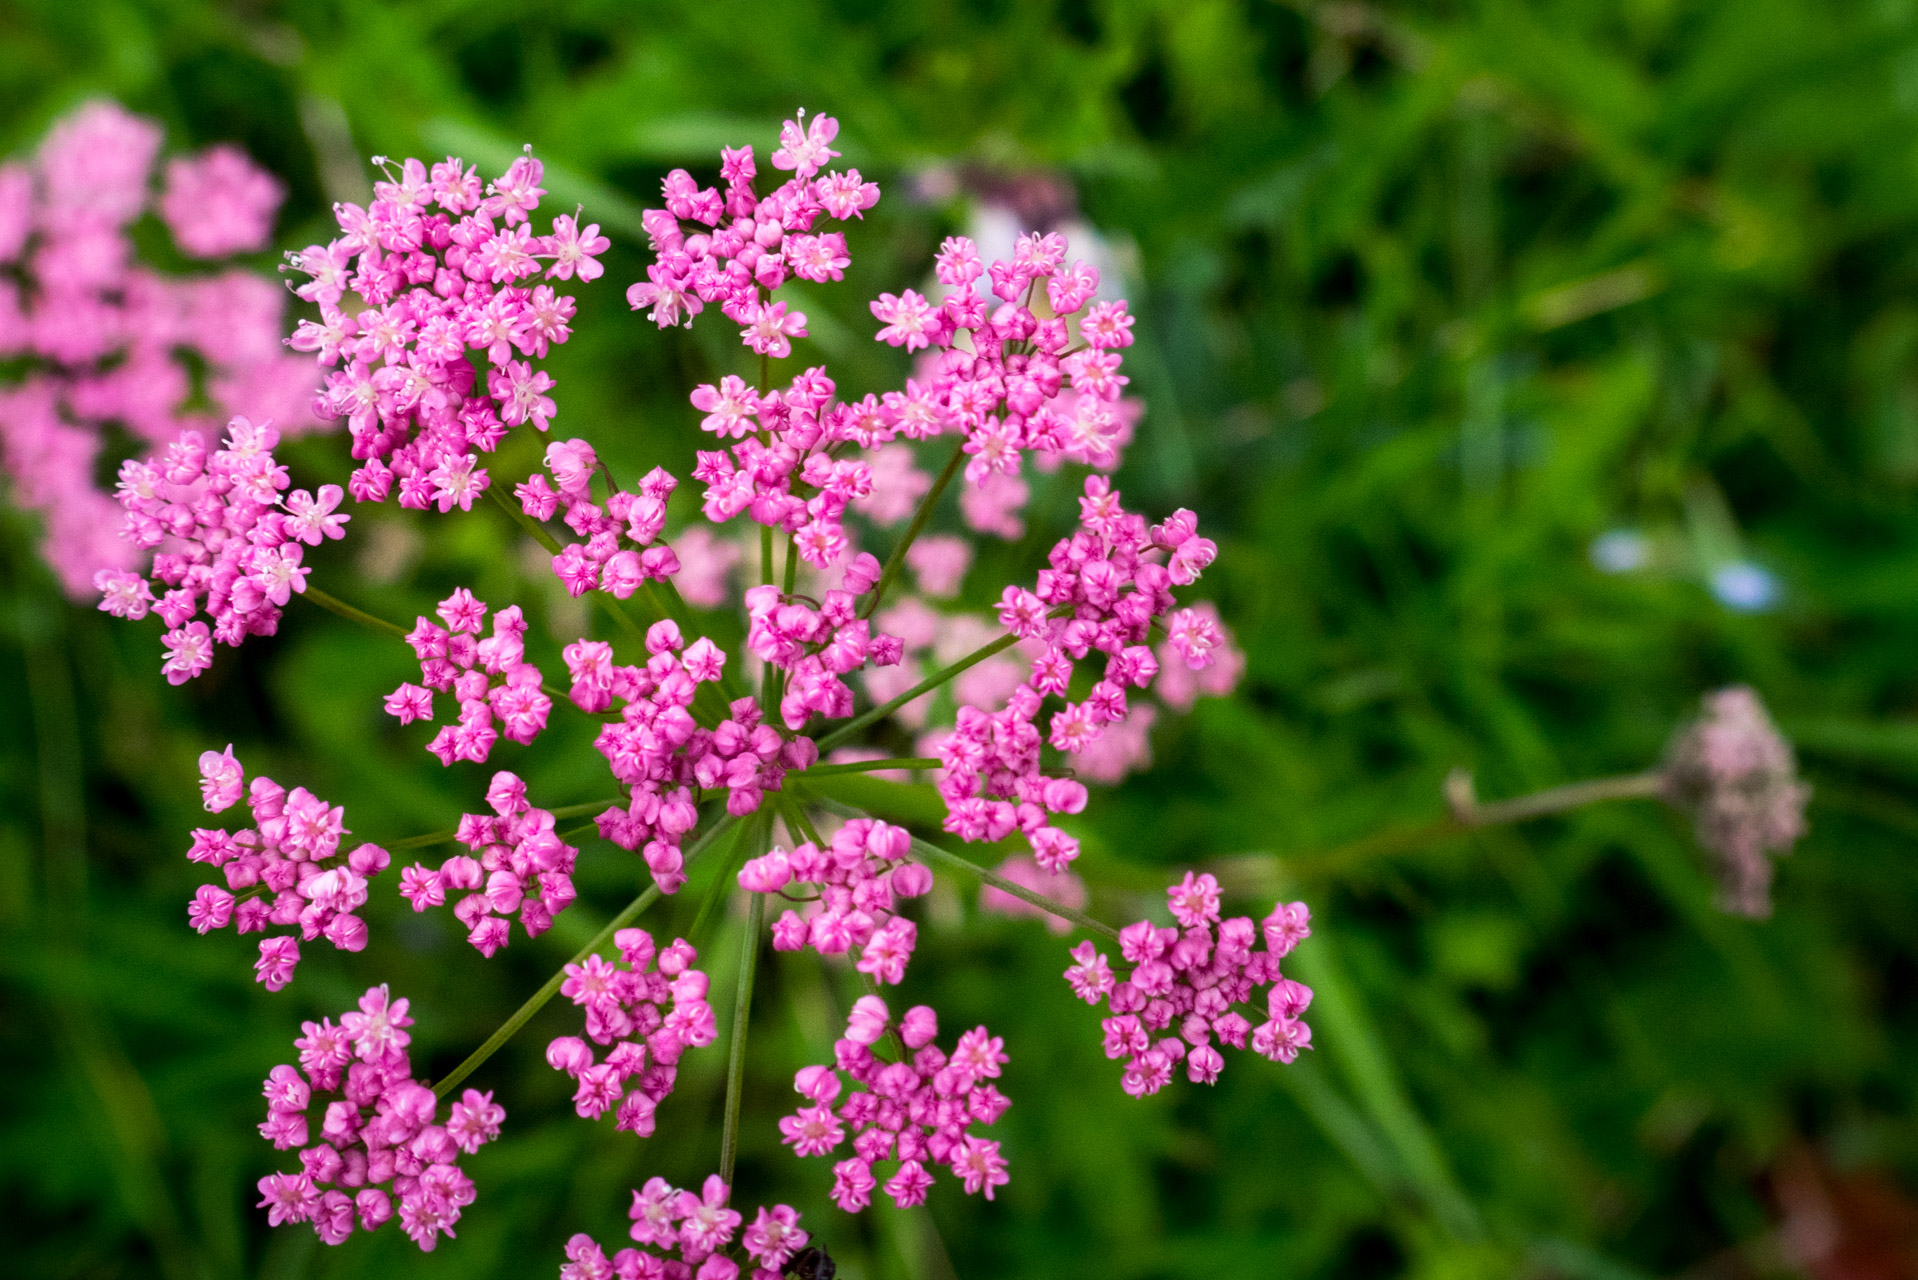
(819, 257)
(907, 318)
(979, 1165)
(1107, 325)
(706, 1225)
(728, 408)
(845, 195)
(654, 1213)
(980, 1054)
(457, 480)
(774, 1236)
(1194, 637)
(520, 389)
(805, 149)
(189, 651)
(313, 520)
(769, 330)
(221, 779)
(379, 1028)
(1195, 900)
(811, 1131)
(575, 250)
(517, 192)
(288, 1197)
(1091, 974)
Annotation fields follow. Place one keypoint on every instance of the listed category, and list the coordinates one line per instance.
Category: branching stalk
(443, 837)
(926, 851)
(924, 687)
(550, 988)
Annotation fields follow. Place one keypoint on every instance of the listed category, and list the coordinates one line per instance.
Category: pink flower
(378, 1030)
(220, 779)
(979, 1165)
(220, 203)
(769, 329)
(803, 149)
(575, 250)
(278, 958)
(907, 319)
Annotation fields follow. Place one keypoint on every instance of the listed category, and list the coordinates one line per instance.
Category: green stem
(928, 852)
(1469, 815)
(736, 1055)
(550, 988)
(333, 605)
(898, 556)
(867, 766)
(925, 686)
(547, 540)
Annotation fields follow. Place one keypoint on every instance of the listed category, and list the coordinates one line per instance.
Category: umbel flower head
(1735, 774)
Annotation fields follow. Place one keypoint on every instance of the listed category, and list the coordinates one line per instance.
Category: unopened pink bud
(919, 1026)
(868, 1020)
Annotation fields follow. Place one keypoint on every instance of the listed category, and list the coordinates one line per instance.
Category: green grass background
(1430, 296)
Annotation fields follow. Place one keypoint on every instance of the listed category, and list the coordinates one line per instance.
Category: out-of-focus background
(1538, 367)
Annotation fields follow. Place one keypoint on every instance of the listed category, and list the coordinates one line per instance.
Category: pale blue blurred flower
(1744, 586)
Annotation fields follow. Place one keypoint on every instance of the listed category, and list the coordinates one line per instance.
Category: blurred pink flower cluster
(108, 342)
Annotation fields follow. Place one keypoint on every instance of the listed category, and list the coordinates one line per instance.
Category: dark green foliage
(1430, 296)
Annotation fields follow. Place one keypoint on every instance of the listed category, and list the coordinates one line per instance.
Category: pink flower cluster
(630, 1006)
(489, 677)
(99, 339)
(379, 1133)
(856, 877)
(292, 853)
(600, 561)
(440, 269)
(817, 648)
(700, 1228)
(228, 540)
(1194, 974)
(746, 245)
(659, 750)
(916, 1112)
(1108, 578)
(515, 864)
